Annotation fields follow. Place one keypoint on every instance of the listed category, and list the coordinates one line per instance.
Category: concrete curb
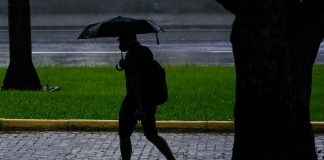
(43, 124)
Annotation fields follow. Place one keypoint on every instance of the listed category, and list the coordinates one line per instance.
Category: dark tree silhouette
(275, 43)
(21, 74)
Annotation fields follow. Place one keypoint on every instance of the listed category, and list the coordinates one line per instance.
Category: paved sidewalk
(105, 146)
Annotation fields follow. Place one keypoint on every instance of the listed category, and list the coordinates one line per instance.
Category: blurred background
(197, 32)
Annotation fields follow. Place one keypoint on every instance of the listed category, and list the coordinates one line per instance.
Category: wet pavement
(105, 146)
(178, 47)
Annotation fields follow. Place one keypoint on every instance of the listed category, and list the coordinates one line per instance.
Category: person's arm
(136, 87)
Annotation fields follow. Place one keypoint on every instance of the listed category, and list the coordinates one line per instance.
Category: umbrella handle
(118, 68)
(121, 65)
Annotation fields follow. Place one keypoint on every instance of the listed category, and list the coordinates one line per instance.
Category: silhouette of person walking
(137, 104)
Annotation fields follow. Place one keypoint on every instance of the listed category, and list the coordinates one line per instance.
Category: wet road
(61, 47)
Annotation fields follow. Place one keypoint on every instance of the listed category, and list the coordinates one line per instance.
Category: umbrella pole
(157, 39)
(121, 53)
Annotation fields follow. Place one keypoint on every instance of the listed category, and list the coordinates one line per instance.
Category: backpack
(158, 83)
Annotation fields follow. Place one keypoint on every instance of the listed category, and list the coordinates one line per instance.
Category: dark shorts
(127, 119)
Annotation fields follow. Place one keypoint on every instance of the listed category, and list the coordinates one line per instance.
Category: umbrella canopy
(120, 26)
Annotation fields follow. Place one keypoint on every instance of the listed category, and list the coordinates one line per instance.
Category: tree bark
(21, 74)
(275, 43)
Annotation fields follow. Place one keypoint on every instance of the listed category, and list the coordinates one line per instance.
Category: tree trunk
(21, 74)
(275, 43)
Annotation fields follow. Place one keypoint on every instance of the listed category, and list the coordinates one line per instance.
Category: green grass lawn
(195, 93)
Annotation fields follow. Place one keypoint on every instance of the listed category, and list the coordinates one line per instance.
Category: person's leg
(127, 123)
(151, 133)
(162, 145)
(125, 147)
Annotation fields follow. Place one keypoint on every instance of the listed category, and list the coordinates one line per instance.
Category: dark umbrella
(120, 26)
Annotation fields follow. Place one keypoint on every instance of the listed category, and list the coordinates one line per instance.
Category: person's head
(126, 41)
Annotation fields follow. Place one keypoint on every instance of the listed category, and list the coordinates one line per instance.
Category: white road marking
(99, 52)
(79, 52)
(227, 51)
(76, 52)
(44, 30)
